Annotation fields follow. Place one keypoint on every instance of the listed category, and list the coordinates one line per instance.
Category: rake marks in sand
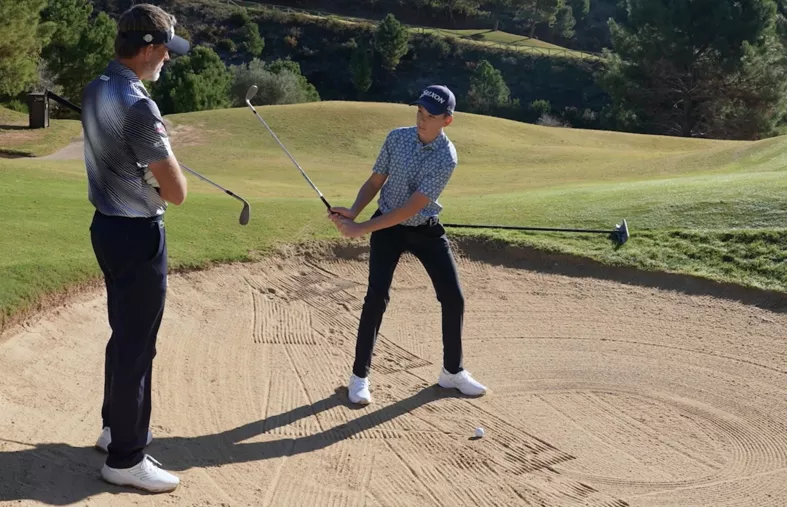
(590, 406)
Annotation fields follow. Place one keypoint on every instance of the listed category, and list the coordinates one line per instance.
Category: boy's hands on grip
(343, 219)
(345, 212)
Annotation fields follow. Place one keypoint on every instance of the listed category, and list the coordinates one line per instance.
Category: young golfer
(412, 169)
(131, 173)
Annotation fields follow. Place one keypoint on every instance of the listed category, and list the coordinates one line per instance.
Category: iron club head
(244, 214)
(251, 92)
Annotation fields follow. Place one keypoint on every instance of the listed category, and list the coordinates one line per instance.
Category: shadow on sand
(61, 474)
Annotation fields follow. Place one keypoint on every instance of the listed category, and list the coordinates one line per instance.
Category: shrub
(278, 82)
(226, 45)
(540, 107)
(195, 82)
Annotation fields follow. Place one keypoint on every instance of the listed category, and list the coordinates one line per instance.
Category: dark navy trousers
(428, 243)
(132, 254)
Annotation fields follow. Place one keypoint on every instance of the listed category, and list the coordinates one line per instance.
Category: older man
(132, 173)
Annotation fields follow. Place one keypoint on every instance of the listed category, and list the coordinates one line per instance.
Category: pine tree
(697, 68)
(21, 43)
(488, 89)
(80, 47)
(361, 68)
(391, 41)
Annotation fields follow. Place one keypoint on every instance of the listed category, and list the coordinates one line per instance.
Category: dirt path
(602, 394)
(75, 150)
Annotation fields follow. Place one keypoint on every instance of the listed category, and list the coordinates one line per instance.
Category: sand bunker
(603, 393)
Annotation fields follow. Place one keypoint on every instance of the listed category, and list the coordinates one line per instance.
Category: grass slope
(709, 208)
(501, 37)
(505, 39)
(16, 139)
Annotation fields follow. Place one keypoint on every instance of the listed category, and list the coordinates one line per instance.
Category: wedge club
(245, 212)
(252, 91)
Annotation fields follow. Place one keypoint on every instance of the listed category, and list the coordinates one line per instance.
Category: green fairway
(710, 208)
(16, 139)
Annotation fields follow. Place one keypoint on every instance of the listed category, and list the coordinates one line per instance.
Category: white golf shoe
(106, 437)
(146, 476)
(358, 390)
(463, 381)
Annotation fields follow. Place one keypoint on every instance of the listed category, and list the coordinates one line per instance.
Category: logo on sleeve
(160, 130)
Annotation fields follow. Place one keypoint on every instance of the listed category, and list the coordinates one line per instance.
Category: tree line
(61, 45)
(553, 20)
(694, 68)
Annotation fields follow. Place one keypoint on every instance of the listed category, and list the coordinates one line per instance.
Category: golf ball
(479, 432)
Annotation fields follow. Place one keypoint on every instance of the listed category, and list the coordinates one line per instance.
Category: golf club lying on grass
(620, 234)
(245, 212)
(252, 91)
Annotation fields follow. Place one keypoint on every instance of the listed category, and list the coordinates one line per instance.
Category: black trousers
(430, 245)
(132, 254)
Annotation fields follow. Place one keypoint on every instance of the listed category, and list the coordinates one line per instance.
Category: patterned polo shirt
(412, 167)
(124, 132)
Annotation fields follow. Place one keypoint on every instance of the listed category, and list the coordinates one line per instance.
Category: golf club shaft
(228, 192)
(520, 228)
(322, 198)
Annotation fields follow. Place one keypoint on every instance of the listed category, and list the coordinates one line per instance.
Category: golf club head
(621, 233)
(251, 92)
(244, 215)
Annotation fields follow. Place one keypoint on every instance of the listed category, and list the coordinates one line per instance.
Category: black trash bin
(38, 104)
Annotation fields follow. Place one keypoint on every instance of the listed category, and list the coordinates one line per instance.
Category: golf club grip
(325, 202)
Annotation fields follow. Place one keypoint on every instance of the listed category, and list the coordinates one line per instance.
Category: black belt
(430, 222)
(120, 218)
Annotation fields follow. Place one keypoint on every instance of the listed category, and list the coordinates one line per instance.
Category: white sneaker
(359, 390)
(106, 437)
(146, 476)
(463, 381)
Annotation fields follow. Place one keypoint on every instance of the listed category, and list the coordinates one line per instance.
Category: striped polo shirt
(124, 132)
(412, 166)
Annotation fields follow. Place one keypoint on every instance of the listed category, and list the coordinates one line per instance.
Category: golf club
(252, 91)
(245, 212)
(620, 234)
